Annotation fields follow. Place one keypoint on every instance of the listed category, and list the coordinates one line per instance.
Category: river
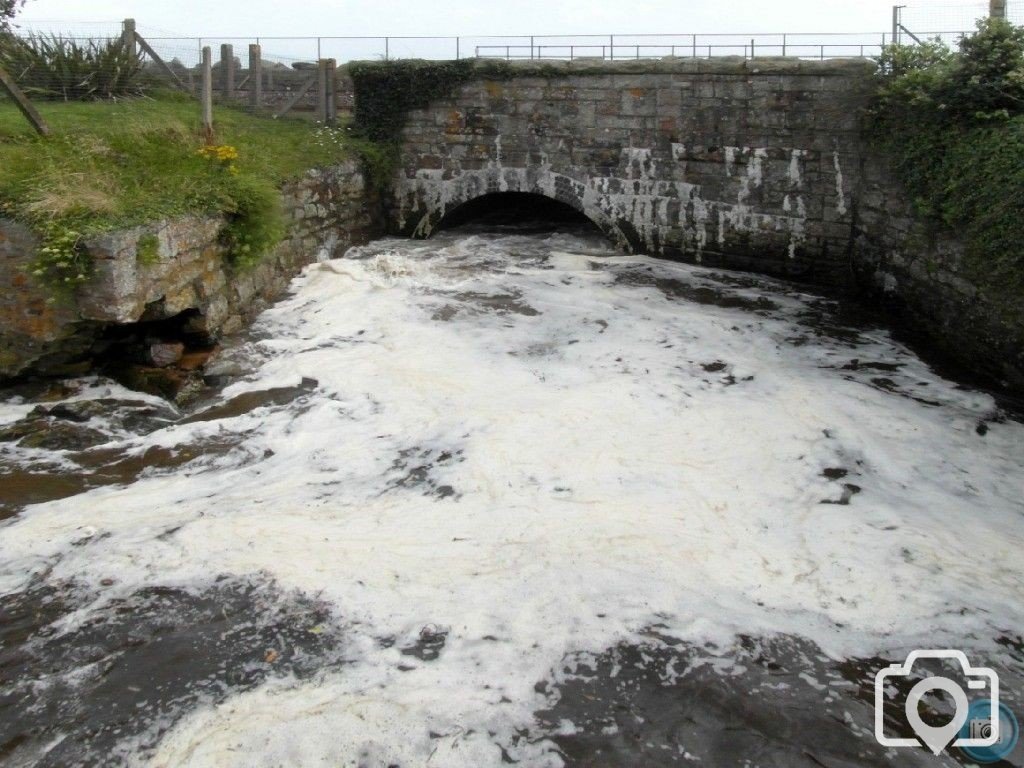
(506, 496)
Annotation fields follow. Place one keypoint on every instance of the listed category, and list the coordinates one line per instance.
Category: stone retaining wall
(327, 211)
(916, 268)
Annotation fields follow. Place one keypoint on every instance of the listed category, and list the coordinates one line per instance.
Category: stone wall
(327, 211)
(745, 164)
(759, 165)
(915, 268)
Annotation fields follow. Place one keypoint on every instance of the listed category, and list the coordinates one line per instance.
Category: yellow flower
(224, 154)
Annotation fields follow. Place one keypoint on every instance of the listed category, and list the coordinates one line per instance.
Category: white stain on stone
(798, 229)
(795, 178)
(840, 194)
(740, 217)
(660, 211)
(730, 159)
(755, 170)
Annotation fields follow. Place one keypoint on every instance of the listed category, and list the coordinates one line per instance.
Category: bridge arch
(513, 208)
(429, 199)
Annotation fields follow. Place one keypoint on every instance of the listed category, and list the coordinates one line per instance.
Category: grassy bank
(110, 165)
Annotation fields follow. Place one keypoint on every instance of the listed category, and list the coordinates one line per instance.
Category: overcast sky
(474, 17)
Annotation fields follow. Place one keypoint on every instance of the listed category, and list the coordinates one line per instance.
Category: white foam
(604, 481)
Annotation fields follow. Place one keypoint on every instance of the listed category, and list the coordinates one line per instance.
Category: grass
(109, 165)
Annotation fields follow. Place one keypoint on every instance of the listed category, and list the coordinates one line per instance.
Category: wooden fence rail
(23, 104)
(255, 82)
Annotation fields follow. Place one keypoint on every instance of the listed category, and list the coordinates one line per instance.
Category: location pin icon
(937, 739)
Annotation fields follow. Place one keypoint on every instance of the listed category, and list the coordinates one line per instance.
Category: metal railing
(544, 47)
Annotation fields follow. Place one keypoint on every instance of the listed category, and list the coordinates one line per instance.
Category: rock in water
(165, 354)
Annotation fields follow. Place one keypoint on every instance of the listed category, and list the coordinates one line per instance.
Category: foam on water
(541, 448)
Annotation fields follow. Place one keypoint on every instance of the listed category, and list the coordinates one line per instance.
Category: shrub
(7, 10)
(54, 67)
(61, 263)
(255, 220)
(953, 122)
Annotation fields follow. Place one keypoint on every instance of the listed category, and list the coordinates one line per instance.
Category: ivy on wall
(953, 124)
(385, 93)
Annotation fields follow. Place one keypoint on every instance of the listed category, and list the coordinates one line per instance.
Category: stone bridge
(745, 164)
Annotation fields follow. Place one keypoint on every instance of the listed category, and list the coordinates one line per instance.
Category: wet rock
(250, 401)
(19, 488)
(774, 703)
(849, 491)
(428, 645)
(129, 671)
(52, 435)
(163, 354)
(195, 360)
(79, 411)
(220, 369)
(169, 383)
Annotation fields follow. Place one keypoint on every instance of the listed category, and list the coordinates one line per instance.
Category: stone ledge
(189, 274)
(724, 65)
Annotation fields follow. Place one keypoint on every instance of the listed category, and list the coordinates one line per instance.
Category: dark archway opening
(522, 210)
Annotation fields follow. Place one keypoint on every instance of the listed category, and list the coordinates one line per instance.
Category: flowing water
(506, 496)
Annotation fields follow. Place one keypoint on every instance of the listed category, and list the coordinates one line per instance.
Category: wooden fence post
(23, 104)
(321, 90)
(128, 36)
(255, 77)
(326, 99)
(206, 94)
(331, 93)
(227, 74)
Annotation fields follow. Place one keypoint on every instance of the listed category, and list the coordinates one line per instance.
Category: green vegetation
(953, 122)
(7, 10)
(111, 165)
(53, 67)
(148, 249)
(386, 91)
(255, 221)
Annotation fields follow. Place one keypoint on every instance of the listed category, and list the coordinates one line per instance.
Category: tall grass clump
(55, 67)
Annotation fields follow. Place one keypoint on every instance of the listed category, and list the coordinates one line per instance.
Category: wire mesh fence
(278, 74)
(518, 47)
(948, 22)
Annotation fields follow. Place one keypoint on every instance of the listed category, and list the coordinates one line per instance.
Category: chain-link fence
(919, 21)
